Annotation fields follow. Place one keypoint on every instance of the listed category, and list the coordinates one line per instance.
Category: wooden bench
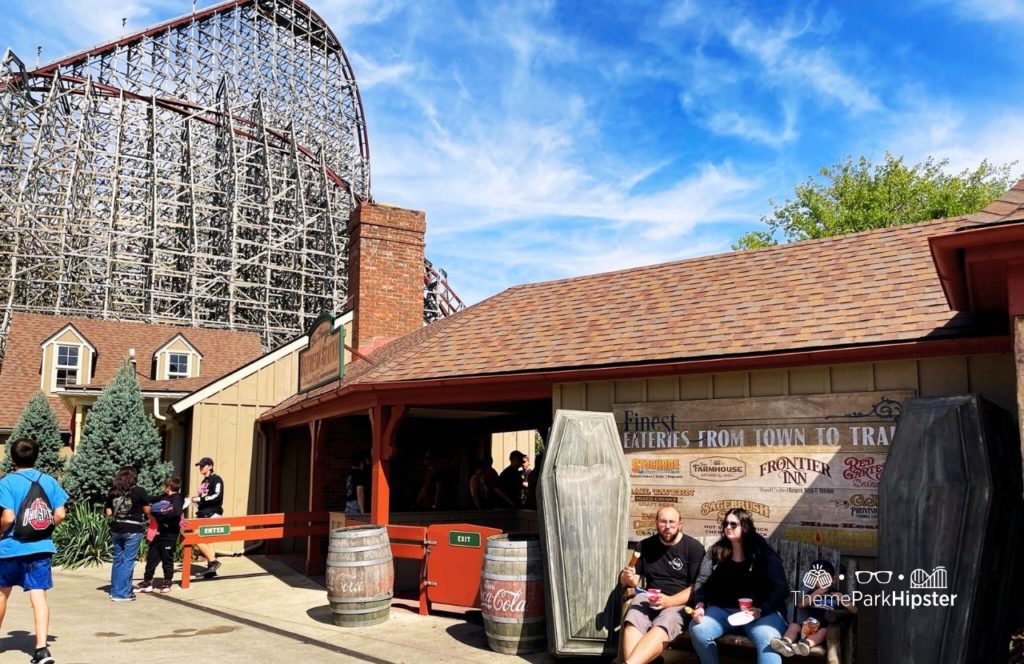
(796, 560)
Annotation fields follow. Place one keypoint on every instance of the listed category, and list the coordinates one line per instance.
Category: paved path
(257, 611)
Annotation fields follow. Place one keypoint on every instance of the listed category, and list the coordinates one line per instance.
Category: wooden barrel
(512, 594)
(360, 575)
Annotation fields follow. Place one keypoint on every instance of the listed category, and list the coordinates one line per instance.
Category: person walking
(25, 556)
(127, 505)
(209, 500)
(166, 511)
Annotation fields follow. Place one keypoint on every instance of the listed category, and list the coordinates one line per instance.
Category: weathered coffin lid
(584, 506)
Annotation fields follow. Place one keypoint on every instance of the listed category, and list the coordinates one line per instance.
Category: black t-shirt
(511, 482)
(670, 569)
(356, 477)
(127, 512)
(211, 495)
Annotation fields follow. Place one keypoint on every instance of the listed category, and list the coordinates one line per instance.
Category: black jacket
(768, 585)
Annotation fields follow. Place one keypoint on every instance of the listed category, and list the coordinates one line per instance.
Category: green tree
(39, 422)
(117, 433)
(854, 196)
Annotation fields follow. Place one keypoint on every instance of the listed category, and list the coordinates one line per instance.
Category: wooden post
(1015, 307)
(315, 563)
(186, 566)
(274, 476)
(384, 424)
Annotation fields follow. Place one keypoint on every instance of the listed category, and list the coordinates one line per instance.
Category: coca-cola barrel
(512, 594)
(360, 575)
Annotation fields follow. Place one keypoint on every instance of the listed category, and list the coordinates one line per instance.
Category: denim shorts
(31, 572)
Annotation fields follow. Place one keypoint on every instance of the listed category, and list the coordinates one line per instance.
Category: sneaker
(213, 567)
(43, 656)
(782, 646)
(165, 587)
(144, 587)
(129, 598)
(802, 648)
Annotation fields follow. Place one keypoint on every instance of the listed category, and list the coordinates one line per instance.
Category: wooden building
(71, 359)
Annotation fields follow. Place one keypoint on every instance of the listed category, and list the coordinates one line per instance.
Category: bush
(117, 433)
(39, 422)
(83, 539)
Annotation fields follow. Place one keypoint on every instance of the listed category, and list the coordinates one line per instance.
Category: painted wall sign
(805, 467)
(323, 359)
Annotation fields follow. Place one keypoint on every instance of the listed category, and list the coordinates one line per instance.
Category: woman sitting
(744, 593)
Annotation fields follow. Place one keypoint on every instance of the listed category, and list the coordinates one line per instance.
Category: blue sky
(553, 139)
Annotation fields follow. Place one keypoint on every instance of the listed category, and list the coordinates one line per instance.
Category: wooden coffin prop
(949, 522)
(584, 505)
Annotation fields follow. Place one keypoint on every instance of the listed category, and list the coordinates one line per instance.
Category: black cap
(205, 461)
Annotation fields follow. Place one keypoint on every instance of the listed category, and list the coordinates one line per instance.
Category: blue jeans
(126, 550)
(714, 624)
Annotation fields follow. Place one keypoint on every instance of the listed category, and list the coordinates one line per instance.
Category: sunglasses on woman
(730, 524)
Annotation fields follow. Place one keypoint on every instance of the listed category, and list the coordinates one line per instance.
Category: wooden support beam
(315, 562)
(384, 422)
(274, 479)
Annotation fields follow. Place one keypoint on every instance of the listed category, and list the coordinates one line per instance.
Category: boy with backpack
(165, 511)
(33, 505)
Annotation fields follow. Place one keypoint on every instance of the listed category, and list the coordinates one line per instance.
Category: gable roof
(223, 350)
(177, 336)
(53, 337)
(875, 287)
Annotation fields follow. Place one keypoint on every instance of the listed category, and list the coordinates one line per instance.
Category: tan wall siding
(992, 376)
(502, 444)
(224, 428)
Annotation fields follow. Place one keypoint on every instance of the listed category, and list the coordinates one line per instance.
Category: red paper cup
(746, 604)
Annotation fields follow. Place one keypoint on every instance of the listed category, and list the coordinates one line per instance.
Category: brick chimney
(385, 273)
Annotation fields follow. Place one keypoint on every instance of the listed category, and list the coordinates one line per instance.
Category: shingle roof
(222, 351)
(1008, 207)
(867, 288)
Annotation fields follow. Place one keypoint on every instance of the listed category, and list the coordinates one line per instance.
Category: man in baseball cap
(209, 500)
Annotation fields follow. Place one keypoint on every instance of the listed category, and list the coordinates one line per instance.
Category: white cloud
(370, 74)
(999, 11)
(794, 68)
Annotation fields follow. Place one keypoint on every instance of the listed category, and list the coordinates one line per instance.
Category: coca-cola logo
(511, 599)
(503, 600)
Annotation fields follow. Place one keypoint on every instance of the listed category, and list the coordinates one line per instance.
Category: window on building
(67, 366)
(177, 365)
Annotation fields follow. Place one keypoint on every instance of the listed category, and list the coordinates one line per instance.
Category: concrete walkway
(257, 610)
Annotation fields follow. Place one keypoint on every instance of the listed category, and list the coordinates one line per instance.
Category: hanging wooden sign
(323, 360)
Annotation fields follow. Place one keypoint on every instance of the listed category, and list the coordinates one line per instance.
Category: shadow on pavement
(21, 641)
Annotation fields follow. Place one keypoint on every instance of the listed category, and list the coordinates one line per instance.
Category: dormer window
(177, 365)
(66, 366)
(177, 358)
(67, 360)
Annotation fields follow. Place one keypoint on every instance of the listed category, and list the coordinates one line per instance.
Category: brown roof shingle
(222, 351)
(1008, 207)
(867, 288)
